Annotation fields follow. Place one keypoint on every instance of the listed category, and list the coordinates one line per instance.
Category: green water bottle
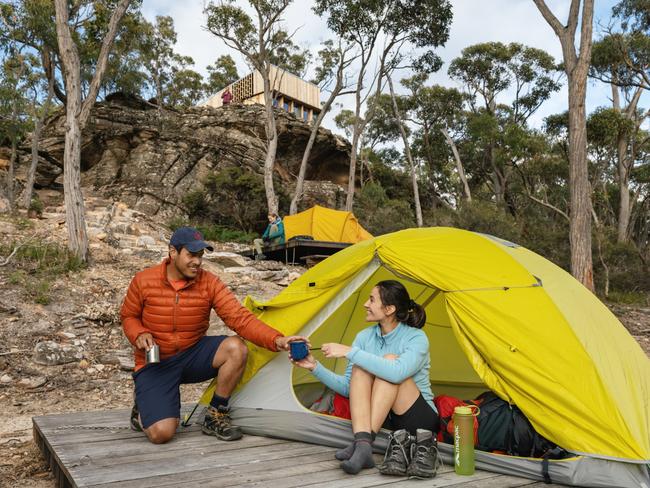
(464, 439)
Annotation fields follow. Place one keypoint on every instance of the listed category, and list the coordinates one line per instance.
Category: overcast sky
(474, 21)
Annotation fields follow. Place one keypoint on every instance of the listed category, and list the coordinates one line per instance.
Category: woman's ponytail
(416, 315)
(392, 292)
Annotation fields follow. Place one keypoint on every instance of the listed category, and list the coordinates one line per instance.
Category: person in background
(226, 97)
(273, 234)
(169, 305)
(387, 379)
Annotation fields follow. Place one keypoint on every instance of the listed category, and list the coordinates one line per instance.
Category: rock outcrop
(150, 158)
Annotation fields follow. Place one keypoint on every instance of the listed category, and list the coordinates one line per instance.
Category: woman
(387, 376)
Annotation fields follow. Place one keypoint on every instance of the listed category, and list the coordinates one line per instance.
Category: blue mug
(299, 350)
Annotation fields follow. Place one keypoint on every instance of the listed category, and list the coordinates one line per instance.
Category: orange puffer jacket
(178, 319)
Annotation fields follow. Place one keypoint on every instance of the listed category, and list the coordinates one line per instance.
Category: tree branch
(550, 18)
(102, 61)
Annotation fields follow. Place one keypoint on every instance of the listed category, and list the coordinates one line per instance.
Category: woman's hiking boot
(425, 458)
(217, 423)
(397, 457)
(135, 419)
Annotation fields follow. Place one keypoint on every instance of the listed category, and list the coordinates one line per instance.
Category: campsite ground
(82, 314)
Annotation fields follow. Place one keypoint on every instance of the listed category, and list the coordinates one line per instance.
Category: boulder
(50, 353)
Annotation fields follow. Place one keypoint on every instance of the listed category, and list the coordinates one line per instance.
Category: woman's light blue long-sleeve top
(369, 347)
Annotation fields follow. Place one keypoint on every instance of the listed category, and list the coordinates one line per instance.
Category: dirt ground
(82, 313)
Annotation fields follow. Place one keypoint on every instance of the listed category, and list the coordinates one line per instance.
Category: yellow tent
(499, 317)
(325, 224)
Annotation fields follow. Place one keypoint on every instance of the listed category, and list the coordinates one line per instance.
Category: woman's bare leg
(360, 392)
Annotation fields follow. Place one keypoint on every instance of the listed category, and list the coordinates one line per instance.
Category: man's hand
(334, 350)
(282, 343)
(144, 341)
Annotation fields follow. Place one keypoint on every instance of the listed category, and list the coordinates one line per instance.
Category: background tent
(325, 224)
(499, 317)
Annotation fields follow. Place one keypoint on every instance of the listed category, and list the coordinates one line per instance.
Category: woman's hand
(308, 362)
(334, 350)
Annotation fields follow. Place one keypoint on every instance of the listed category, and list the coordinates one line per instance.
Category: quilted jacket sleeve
(240, 319)
(131, 312)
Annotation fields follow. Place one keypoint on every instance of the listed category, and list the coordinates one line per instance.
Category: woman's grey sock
(362, 456)
(346, 453)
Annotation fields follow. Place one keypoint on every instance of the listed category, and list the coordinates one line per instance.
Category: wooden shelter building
(292, 93)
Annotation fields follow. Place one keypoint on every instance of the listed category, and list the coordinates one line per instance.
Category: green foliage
(214, 232)
(168, 74)
(221, 74)
(237, 197)
(629, 297)
(36, 205)
(37, 264)
(380, 214)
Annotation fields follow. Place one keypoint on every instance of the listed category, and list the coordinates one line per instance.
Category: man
(169, 305)
(273, 234)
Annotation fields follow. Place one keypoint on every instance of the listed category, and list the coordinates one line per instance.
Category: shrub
(380, 214)
(37, 265)
(214, 232)
(36, 206)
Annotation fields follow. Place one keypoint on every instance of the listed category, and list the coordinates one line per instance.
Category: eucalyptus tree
(14, 123)
(622, 59)
(396, 25)
(490, 71)
(255, 37)
(576, 67)
(331, 75)
(436, 109)
(221, 73)
(77, 109)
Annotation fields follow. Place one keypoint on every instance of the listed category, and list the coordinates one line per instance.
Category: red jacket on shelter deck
(178, 319)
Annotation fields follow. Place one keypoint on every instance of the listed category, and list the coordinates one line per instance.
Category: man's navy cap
(189, 238)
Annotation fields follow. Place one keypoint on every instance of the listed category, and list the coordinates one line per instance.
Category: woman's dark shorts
(419, 416)
(157, 386)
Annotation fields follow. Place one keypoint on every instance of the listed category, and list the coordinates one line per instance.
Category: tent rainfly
(499, 317)
(325, 224)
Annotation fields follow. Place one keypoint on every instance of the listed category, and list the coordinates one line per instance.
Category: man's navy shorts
(157, 386)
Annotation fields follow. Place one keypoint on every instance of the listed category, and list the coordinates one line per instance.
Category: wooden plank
(90, 475)
(233, 475)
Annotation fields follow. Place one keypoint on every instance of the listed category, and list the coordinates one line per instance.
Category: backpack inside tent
(499, 318)
(325, 224)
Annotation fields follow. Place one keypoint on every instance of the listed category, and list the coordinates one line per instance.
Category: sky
(475, 21)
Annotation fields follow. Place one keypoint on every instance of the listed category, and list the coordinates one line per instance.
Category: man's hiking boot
(135, 419)
(425, 459)
(217, 423)
(397, 457)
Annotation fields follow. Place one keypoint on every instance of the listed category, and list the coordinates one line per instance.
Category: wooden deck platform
(97, 449)
(295, 251)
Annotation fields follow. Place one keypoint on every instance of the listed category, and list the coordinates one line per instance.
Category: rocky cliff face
(151, 158)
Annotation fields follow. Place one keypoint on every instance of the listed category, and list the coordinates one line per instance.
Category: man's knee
(162, 431)
(391, 356)
(235, 349)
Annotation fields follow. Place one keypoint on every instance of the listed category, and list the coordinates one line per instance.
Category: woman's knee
(391, 356)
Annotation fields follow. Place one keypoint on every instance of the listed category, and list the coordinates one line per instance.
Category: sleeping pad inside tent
(500, 318)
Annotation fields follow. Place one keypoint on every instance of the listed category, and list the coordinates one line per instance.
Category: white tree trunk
(10, 174)
(459, 164)
(271, 142)
(36, 139)
(407, 152)
(77, 114)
